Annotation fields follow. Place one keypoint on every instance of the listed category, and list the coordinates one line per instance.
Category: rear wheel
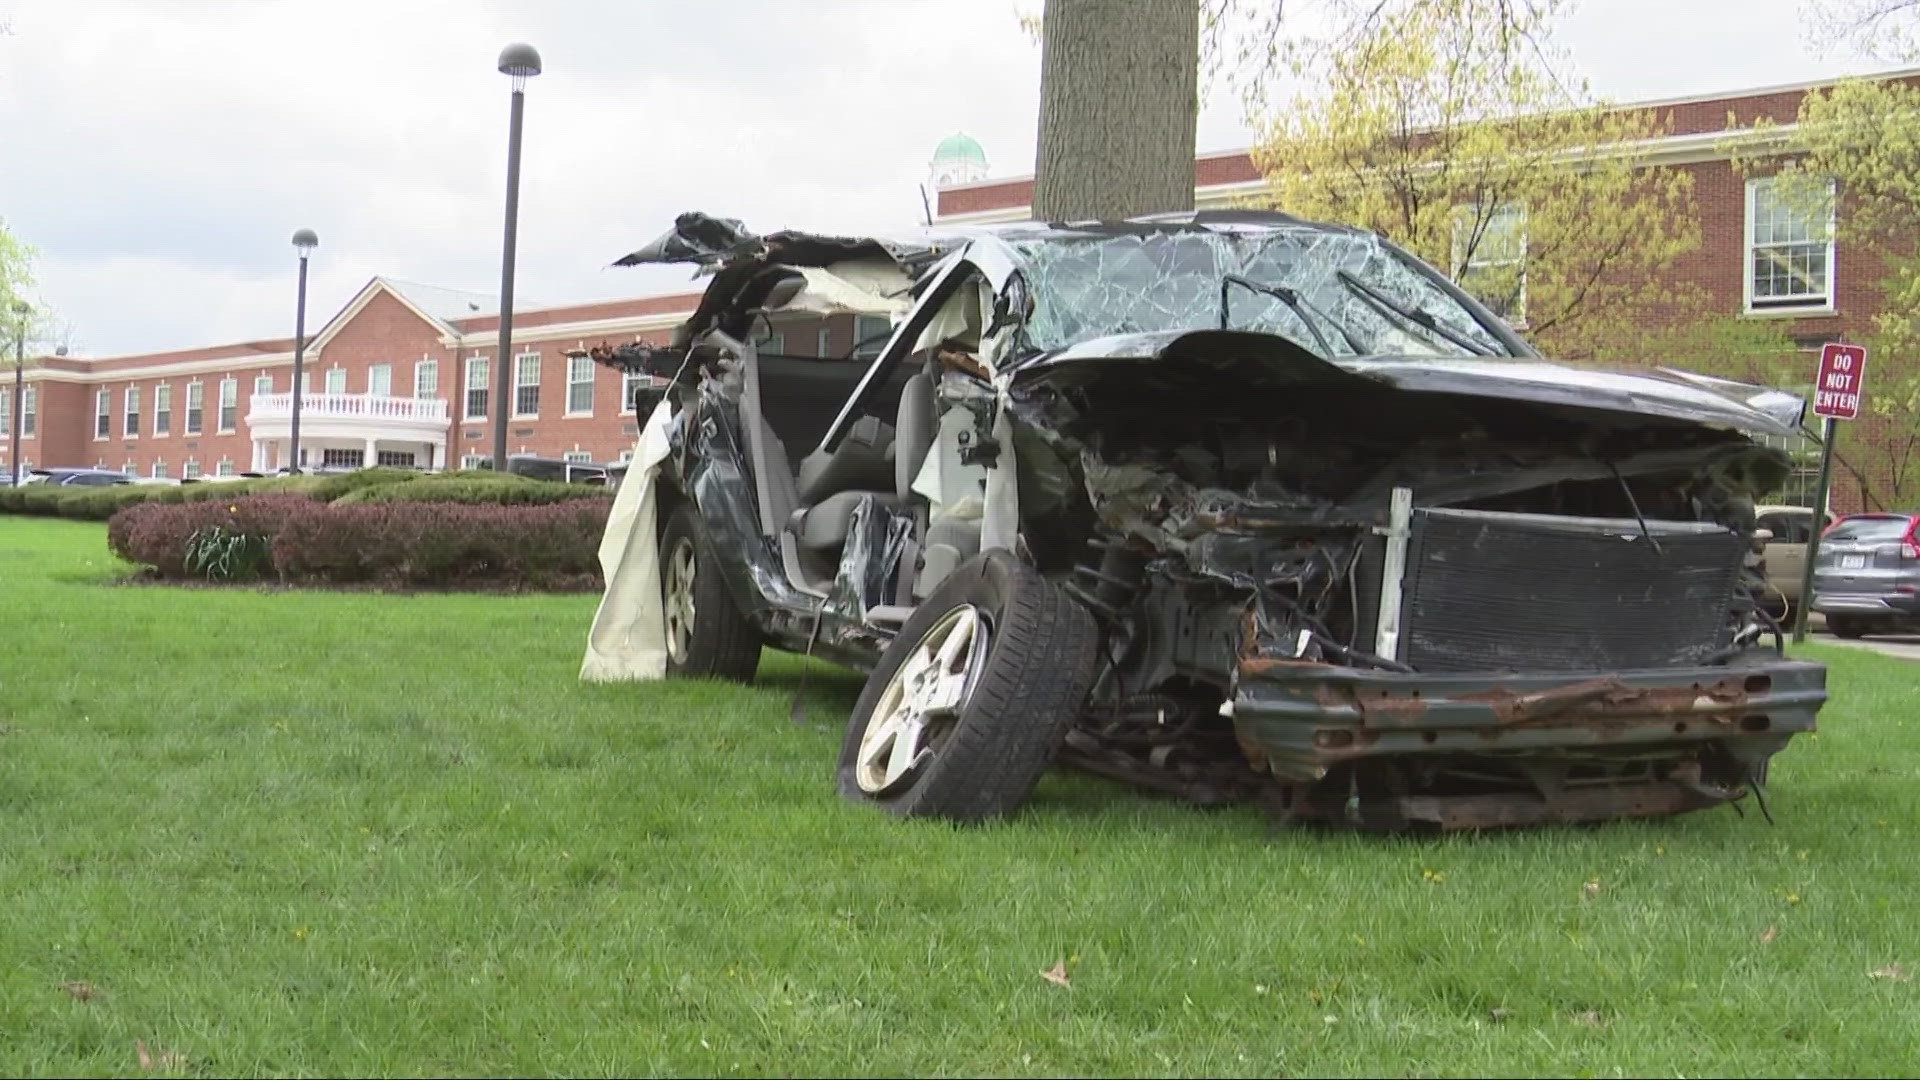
(707, 637)
(968, 705)
(1847, 626)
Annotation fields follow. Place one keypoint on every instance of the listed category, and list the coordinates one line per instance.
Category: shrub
(329, 488)
(499, 491)
(437, 545)
(157, 534)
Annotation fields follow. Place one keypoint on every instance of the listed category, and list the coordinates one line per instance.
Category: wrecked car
(1228, 505)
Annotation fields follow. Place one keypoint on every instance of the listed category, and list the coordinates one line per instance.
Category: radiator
(1490, 591)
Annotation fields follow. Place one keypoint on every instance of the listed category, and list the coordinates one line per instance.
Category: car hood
(1665, 392)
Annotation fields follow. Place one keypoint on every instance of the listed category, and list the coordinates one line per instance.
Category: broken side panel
(871, 561)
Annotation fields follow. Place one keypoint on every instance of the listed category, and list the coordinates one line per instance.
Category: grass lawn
(363, 834)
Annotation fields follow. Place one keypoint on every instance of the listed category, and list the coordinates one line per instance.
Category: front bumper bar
(1298, 720)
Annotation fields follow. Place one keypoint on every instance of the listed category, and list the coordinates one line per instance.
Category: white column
(373, 452)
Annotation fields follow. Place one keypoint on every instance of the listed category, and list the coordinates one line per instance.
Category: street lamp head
(521, 61)
(22, 308)
(304, 241)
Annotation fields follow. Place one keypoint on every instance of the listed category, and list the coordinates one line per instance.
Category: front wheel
(707, 637)
(969, 703)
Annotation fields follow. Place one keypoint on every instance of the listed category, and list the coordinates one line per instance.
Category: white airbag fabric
(628, 641)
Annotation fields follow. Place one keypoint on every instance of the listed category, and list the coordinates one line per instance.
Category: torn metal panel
(871, 561)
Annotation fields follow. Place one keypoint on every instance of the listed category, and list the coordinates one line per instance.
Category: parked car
(1229, 505)
(1866, 579)
(76, 477)
(1786, 530)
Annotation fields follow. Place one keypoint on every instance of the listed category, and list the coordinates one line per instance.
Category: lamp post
(18, 419)
(519, 62)
(304, 241)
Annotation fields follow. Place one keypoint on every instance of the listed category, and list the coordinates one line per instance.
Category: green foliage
(221, 554)
(1450, 127)
(329, 488)
(500, 491)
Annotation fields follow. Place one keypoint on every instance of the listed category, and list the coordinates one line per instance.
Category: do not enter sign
(1842, 380)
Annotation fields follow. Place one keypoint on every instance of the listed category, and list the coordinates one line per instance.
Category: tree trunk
(1119, 92)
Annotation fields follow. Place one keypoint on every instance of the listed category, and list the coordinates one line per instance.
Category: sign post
(1837, 392)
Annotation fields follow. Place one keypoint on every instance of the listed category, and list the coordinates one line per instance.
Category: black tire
(1846, 626)
(721, 643)
(1025, 692)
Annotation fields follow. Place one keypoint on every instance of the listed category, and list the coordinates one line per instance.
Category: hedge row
(364, 485)
(399, 545)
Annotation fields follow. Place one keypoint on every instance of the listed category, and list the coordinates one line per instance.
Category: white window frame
(426, 379)
(224, 468)
(519, 369)
(159, 468)
(196, 420)
(377, 373)
(873, 349)
(629, 382)
(262, 384)
(824, 342)
(6, 412)
(162, 408)
(336, 376)
(575, 365)
(102, 414)
(468, 388)
(131, 468)
(472, 461)
(577, 457)
(775, 345)
(1465, 263)
(1792, 306)
(229, 400)
(130, 414)
(190, 468)
(29, 411)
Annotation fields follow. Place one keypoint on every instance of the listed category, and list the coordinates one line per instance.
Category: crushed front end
(1375, 602)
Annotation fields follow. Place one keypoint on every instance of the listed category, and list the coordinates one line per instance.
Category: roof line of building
(1623, 106)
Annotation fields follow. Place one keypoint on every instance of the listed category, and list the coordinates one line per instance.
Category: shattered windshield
(1334, 293)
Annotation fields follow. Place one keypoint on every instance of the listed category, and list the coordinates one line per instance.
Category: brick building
(402, 374)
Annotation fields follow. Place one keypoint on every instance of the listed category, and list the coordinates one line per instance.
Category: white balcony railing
(348, 406)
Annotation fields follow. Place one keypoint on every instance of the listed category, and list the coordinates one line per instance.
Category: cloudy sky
(160, 154)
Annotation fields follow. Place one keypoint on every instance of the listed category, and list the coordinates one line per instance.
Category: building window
(336, 380)
(262, 384)
(229, 403)
(625, 457)
(163, 410)
(1493, 266)
(526, 384)
(775, 345)
(102, 410)
(578, 457)
(824, 343)
(630, 384)
(1789, 250)
(225, 468)
(131, 468)
(399, 459)
(306, 383)
(426, 379)
(131, 426)
(29, 411)
(473, 461)
(870, 333)
(579, 386)
(196, 394)
(380, 380)
(6, 413)
(331, 458)
(159, 469)
(191, 469)
(476, 388)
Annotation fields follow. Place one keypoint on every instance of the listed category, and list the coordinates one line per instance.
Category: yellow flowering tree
(1452, 128)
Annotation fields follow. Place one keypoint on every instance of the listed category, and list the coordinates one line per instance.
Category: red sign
(1841, 382)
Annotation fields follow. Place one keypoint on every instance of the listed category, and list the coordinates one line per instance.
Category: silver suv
(1867, 577)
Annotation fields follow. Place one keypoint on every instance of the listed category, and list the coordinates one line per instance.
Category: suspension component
(1109, 588)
